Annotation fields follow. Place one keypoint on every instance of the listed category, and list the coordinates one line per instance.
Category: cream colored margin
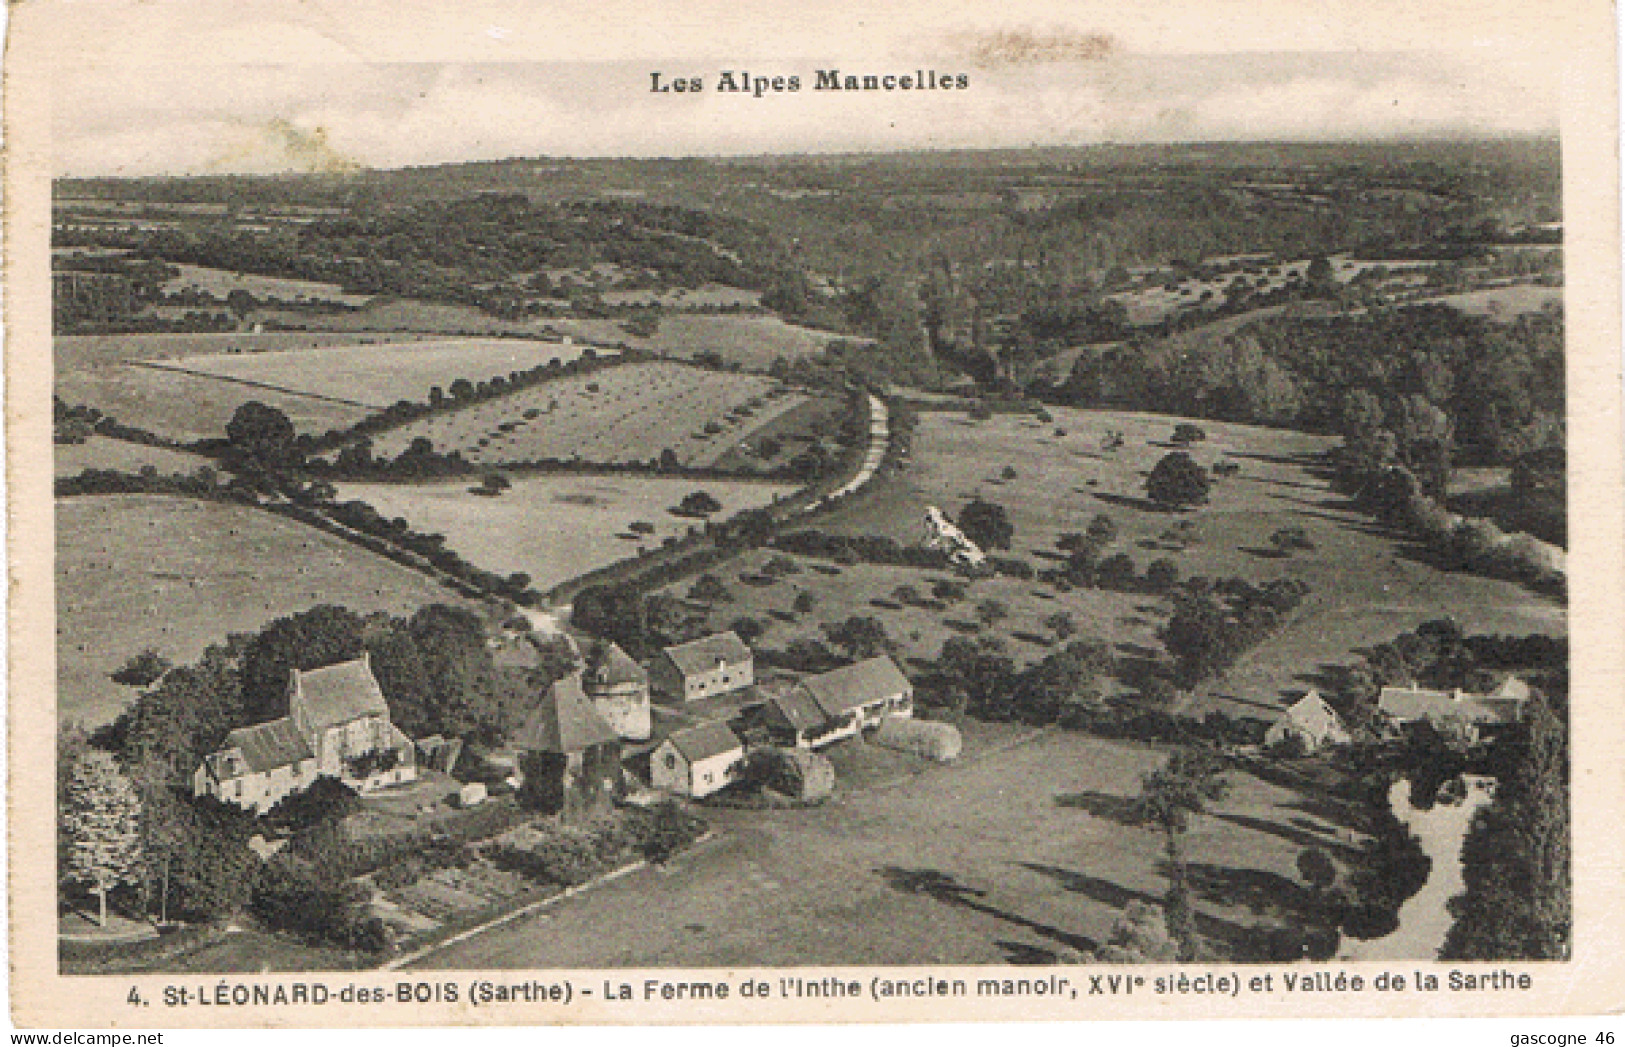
(1574, 38)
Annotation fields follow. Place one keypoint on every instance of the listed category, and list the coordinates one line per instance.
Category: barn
(717, 664)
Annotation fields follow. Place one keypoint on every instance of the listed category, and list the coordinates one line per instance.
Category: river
(1423, 919)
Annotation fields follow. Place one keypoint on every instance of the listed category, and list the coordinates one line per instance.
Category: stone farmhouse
(838, 704)
(696, 761)
(337, 725)
(717, 664)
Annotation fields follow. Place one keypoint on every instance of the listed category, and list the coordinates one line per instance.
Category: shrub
(1162, 575)
(661, 831)
(796, 773)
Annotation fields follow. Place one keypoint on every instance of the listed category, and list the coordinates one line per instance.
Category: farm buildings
(696, 761)
(337, 725)
(838, 704)
(1311, 721)
(619, 690)
(1407, 707)
(570, 757)
(704, 668)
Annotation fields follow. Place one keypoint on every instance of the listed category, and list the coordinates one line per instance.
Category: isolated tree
(102, 823)
(1116, 572)
(1317, 869)
(262, 436)
(1320, 274)
(708, 588)
(804, 602)
(747, 628)
(1162, 575)
(1169, 797)
(142, 670)
(989, 612)
(986, 524)
(1188, 433)
(1061, 624)
(241, 303)
(1177, 481)
(494, 483)
(698, 503)
(1102, 531)
(1288, 539)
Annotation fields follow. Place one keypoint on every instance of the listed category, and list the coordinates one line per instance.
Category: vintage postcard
(629, 513)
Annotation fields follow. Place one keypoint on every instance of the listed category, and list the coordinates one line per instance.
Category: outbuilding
(717, 664)
(696, 761)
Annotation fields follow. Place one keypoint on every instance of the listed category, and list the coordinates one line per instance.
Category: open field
(1504, 303)
(554, 527)
(220, 283)
(101, 452)
(1128, 620)
(380, 374)
(187, 407)
(630, 413)
(73, 353)
(1367, 584)
(1013, 858)
(749, 341)
(174, 574)
(710, 296)
(397, 315)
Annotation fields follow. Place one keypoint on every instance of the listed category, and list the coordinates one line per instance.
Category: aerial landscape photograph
(488, 536)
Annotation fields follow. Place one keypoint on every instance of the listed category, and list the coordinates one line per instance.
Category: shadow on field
(1119, 809)
(1261, 892)
(1128, 501)
(944, 888)
(1289, 833)
(1323, 677)
(1236, 937)
(1020, 954)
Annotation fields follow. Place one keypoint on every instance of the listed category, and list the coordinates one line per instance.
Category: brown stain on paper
(1015, 47)
(291, 147)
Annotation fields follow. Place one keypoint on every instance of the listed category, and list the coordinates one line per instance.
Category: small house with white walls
(696, 761)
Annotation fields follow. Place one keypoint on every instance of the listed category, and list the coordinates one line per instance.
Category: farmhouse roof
(1312, 713)
(702, 655)
(796, 710)
(1512, 689)
(705, 741)
(336, 694)
(1408, 704)
(565, 721)
(609, 666)
(858, 684)
(263, 747)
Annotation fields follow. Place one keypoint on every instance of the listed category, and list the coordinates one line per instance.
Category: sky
(131, 112)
